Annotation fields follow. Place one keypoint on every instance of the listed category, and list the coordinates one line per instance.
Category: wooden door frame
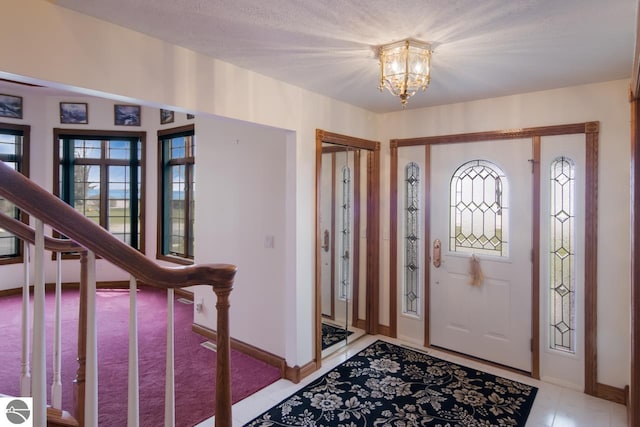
(533, 135)
(633, 406)
(373, 232)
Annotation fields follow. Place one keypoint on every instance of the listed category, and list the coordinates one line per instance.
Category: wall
(604, 102)
(89, 56)
(240, 219)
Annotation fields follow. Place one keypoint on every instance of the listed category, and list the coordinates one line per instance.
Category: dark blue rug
(388, 385)
(332, 334)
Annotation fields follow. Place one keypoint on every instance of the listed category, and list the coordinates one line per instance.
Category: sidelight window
(562, 255)
(411, 284)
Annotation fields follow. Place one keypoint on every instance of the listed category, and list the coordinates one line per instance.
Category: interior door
(480, 286)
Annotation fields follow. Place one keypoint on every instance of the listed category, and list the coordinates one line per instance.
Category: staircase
(90, 241)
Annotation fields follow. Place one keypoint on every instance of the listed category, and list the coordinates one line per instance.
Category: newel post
(223, 366)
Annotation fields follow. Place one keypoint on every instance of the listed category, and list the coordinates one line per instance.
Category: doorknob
(437, 257)
(325, 239)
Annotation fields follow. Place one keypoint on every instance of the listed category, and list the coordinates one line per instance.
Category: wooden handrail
(85, 234)
(38, 202)
(28, 234)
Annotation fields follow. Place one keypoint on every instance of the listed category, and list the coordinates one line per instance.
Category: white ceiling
(483, 48)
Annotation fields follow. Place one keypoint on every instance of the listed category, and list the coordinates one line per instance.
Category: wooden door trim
(332, 238)
(634, 386)
(373, 231)
(591, 131)
(535, 259)
(355, 291)
(427, 244)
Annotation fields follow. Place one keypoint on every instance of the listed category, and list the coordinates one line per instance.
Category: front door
(480, 290)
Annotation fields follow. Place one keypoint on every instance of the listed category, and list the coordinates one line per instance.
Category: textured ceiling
(483, 48)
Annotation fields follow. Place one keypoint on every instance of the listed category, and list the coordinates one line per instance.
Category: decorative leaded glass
(345, 271)
(479, 209)
(562, 255)
(411, 252)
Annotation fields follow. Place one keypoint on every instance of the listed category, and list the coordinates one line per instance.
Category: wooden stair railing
(55, 417)
(45, 207)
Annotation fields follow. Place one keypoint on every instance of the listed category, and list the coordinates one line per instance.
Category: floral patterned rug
(332, 335)
(387, 385)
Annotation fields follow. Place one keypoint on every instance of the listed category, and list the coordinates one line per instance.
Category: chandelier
(405, 68)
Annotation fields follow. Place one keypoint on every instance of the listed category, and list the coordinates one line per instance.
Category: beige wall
(41, 42)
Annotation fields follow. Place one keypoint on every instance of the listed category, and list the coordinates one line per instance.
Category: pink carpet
(194, 365)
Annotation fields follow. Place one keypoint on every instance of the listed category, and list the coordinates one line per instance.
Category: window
(411, 248)
(14, 151)
(100, 174)
(562, 255)
(479, 209)
(177, 150)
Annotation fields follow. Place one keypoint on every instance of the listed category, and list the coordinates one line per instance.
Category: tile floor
(554, 406)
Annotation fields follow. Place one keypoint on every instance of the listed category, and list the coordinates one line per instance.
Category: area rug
(388, 385)
(332, 334)
(195, 366)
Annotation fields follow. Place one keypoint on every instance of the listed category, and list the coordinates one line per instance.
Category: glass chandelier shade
(405, 67)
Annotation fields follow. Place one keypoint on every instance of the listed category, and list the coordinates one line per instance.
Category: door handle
(325, 244)
(437, 254)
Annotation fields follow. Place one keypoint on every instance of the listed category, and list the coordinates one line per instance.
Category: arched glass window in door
(411, 283)
(562, 255)
(479, 209)
(345, 263)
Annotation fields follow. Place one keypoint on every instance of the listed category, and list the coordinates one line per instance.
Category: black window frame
(22, 166)
(164, 165)
(64, 189)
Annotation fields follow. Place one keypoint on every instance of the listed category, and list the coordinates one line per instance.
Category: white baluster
(169, 395)
(39, 379)
(25, 368)
(134, 395)
(56, 384)
(91, 384)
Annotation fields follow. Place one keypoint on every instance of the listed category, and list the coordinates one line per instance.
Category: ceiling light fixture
(405, 67)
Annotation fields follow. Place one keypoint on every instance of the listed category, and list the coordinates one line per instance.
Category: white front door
(480, 294)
